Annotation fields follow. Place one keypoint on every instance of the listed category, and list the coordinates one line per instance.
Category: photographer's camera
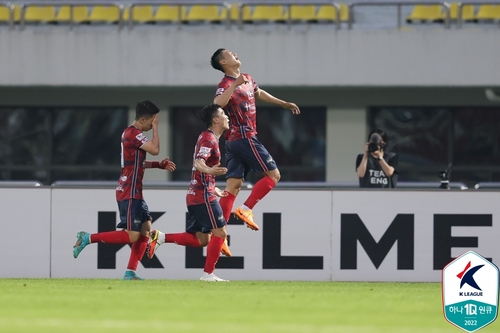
(375, 143)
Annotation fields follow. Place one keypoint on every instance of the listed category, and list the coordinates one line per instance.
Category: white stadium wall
(25, 241)
(310, 235)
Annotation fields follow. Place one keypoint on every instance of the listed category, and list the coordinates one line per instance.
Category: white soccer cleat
(212, 278)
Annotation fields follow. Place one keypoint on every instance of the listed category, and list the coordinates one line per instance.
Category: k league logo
(470, 292)
(467, 277)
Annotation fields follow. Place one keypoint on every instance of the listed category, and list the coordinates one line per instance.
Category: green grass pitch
(105, 305)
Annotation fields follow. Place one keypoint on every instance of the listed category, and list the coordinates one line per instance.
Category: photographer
(377, 168)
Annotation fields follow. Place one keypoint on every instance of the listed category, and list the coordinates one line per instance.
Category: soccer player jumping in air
(236, 94)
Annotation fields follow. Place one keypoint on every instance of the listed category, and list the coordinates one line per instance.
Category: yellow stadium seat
(235, 13)
(143, 14)
(166, 13)
(109, 14)
(40, 14)
(303, 13)
(211, 13)
(328, 13)
(269, 13)
(432, 13)
(467, 12)
(80, 14)
(488, 12)
(5, 14)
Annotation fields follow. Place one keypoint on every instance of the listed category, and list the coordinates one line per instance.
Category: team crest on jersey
(204, 151)
(219, 91)
(141, 137)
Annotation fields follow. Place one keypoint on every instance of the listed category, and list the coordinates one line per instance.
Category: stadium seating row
(435, 13)
(246, 13)
(173, 13)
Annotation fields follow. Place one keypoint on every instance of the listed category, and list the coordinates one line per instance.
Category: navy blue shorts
(205, 217)
(247, 154)
(133, 213)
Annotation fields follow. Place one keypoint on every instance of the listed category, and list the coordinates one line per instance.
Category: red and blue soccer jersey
(133, 165)
(202, 187)
(240, 108)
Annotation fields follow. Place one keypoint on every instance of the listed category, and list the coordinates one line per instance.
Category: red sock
(260, 189)
(213, 253)
(226, 203)
(111, 237)
(138, 249)
(184, 239)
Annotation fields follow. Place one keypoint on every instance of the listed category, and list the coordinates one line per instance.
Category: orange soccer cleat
(225, 249)
(247, 217)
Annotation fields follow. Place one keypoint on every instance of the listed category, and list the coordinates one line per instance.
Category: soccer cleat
(131, 275)
(212, 278)
(225, 249)
(153, 243)
(82, 240)
(247, 217)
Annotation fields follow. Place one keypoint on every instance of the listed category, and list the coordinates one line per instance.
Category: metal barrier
(446, 6)
(20, 183)
(430, 185)
(487, 186)
(184, 184)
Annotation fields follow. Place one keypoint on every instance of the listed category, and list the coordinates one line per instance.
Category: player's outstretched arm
(268, 98)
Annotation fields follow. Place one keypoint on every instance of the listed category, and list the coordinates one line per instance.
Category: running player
(135, 219)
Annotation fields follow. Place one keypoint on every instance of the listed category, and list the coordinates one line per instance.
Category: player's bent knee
(203, 238)
(134, 236)
(220, 232)
(274, 175)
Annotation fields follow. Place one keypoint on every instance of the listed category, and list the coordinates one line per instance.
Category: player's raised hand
(241, 80)
(156, 120)
(166, 164)
(292, 107)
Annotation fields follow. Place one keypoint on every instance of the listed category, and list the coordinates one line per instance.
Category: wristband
(155, 164)
(378, 159)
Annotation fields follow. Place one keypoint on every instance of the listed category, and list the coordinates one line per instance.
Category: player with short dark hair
(236, 94)
(135, 219)
(206, 223)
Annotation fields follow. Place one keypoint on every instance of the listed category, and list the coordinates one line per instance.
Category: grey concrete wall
(346, 135)
(320, 56)
(345, 71)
